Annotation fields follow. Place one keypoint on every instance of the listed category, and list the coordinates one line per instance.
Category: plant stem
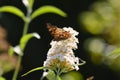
(58, 72)
(17, 68)
(20, 57)
(28, 19)
(57, 77)
(25, 30)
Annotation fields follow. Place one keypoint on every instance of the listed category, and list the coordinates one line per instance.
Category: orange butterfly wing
(58, 33)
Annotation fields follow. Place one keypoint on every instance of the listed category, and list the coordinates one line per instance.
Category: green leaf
(11, 51)
(35, 69)
(13, 10)
(51, 75)
(48, 9)
(2, 78)
(31, 2)
(26, 38)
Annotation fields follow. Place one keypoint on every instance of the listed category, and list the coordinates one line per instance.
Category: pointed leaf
(48, 9)
(26, 38)
(13, 10)
(11, 51)
(35, 69)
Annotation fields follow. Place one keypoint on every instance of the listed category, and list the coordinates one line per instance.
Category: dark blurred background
(36, 50)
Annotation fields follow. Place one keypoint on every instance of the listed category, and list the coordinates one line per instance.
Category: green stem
(28, 19)
(17, 68)
(58, 73)
(25, 30)
(58, 77)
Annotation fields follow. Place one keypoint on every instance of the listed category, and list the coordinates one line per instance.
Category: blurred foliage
(96, 47)
(73, 75)
(1, 78)
(103, 21)
(7, 63)
(3, 42)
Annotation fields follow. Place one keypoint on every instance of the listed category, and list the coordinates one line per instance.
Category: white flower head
(72, 32)
(60, 56)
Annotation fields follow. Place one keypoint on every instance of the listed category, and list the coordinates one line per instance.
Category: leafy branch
(27, 19)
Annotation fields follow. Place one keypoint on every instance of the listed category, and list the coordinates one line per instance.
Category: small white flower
(25, 2)
(17, 50)
(61, 54)
(72, 32)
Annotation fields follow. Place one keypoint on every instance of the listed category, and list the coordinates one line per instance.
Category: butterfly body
(58, 33)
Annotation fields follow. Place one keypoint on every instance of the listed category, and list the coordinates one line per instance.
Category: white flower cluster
(61, 56)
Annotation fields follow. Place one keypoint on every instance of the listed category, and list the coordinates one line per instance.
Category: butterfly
(58, 33)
